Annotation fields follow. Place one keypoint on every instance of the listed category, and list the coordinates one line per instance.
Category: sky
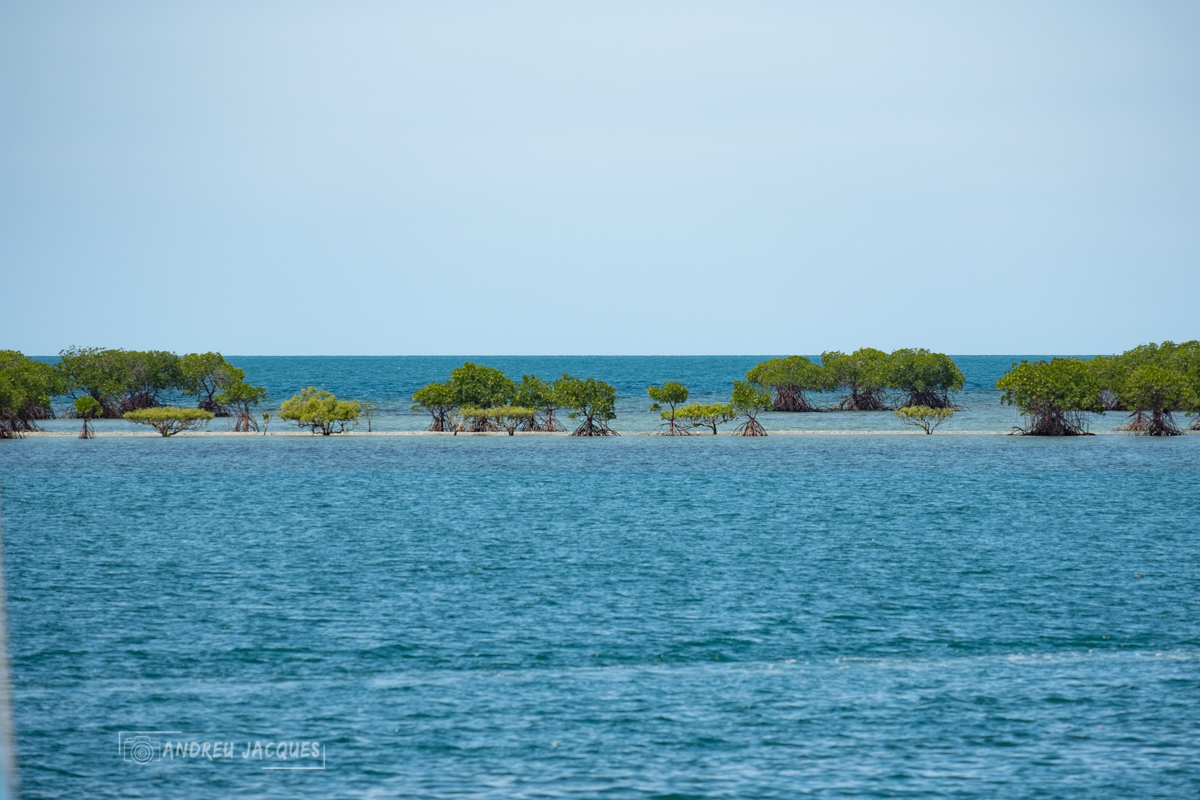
(608, 178)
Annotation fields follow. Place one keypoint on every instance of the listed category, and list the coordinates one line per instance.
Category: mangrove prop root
(594, 428)
(1158, 423)
(545, 424)
(789, 398)
(481, 425)
(245, 423)
(751, 427)
(1055, 423)
(673, 428)
(1137, 423)
(862, 401)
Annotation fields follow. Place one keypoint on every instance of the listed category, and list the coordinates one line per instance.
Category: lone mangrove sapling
(439, 400)
(749, 400)
(241, 397)
(924, 417)
(670, 394)
(87, 409)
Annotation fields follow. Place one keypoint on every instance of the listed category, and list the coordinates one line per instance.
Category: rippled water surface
(835, 616)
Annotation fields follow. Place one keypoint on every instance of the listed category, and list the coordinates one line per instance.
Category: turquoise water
(834, 616)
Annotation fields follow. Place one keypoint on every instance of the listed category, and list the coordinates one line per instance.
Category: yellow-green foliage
(320, 411)
(704, 415)
(924, 417)
(169, 420)
(88, 407)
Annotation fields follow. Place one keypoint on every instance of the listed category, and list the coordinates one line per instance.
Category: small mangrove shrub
(749, 400)
(320, 411)
(169, 420)
(924, 417)
(670, 394)
(706, 415)
(87, 408)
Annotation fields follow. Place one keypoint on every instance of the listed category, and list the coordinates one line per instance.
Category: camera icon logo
(142, 749)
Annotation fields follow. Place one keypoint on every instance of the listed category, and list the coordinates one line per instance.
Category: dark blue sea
(950, 616)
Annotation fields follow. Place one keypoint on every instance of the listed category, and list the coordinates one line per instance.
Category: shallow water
(864, 616)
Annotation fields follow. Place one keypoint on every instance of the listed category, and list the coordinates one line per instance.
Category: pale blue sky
(513, 178)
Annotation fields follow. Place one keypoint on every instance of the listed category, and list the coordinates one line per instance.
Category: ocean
(944, 616)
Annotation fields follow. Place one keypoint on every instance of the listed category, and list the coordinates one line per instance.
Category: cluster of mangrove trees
(480, 399)
(1150, 384)
(866, 380)
(746, 403)
(118, 382)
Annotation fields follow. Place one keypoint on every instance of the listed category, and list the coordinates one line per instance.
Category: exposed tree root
(245, 422)
(594, 428)
(480, 425)
(1055, 423)
(789, 398)
(672, 428)
(862, 401)
(546, 424)
(750, 427)
(1138, 422)
(440, 423)
(1158, 423)
(36, 411)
